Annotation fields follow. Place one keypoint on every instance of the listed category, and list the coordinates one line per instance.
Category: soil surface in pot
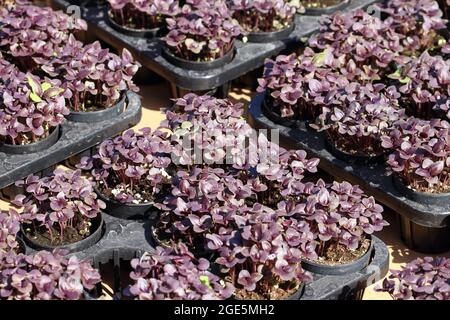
(193, 58)
(26, 139)
(336, 254)
(277, 292)
(141, 193)
(71, 235)
(249, 21)
(92, 104)
(302, 112)
(346, 144)
(418, 184)
(320, 3)
(145, 22)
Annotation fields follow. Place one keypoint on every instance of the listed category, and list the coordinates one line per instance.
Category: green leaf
(405, 80)
(35, 98)
(319, 58)
(34, 85)
(54, 92)
(45, 86)
(396, 75)
(205, 281)
(180, 132)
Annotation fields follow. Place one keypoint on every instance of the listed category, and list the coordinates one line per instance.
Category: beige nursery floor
(157, 97)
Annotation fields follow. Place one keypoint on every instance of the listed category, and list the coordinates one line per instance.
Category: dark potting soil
(71, 235)
(91, 104)
(422, 186)
(251, 22)
(275, 293)
(132, 26)
(342, 143)
(141, 192)
(336, 254)
(91, 107)
(320, 3)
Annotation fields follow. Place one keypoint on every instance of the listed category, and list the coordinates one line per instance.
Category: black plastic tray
(249, 56)
(75, 137)
(124, 240)
(425, 228)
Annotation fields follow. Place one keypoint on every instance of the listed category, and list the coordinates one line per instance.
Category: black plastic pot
(297, 295)
(351, 158)
(10, 192)
(32, 147)
(219, 92)
(340, 269)
(422, 197)
(264, 37)
(198, 66)
(101, 115)
(327, 10)
(275, 117)
(145, 33)
(75, 137)
(249, 80)
(126, 211)
(84, 244)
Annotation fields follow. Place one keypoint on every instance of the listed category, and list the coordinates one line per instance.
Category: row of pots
(421, 197)
(147, 211)
(256, 37)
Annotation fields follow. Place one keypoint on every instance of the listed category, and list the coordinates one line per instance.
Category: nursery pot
(350, 158)
(327, 10)
(220, 92)
(208, 255)
(198, 66)
(124, 210)
(295, 296)
(93, 238)
(263, 37)
(437, 199)
(276, 118)
(101, 115)
(142, 33)
(340, 269)
(32, 147)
